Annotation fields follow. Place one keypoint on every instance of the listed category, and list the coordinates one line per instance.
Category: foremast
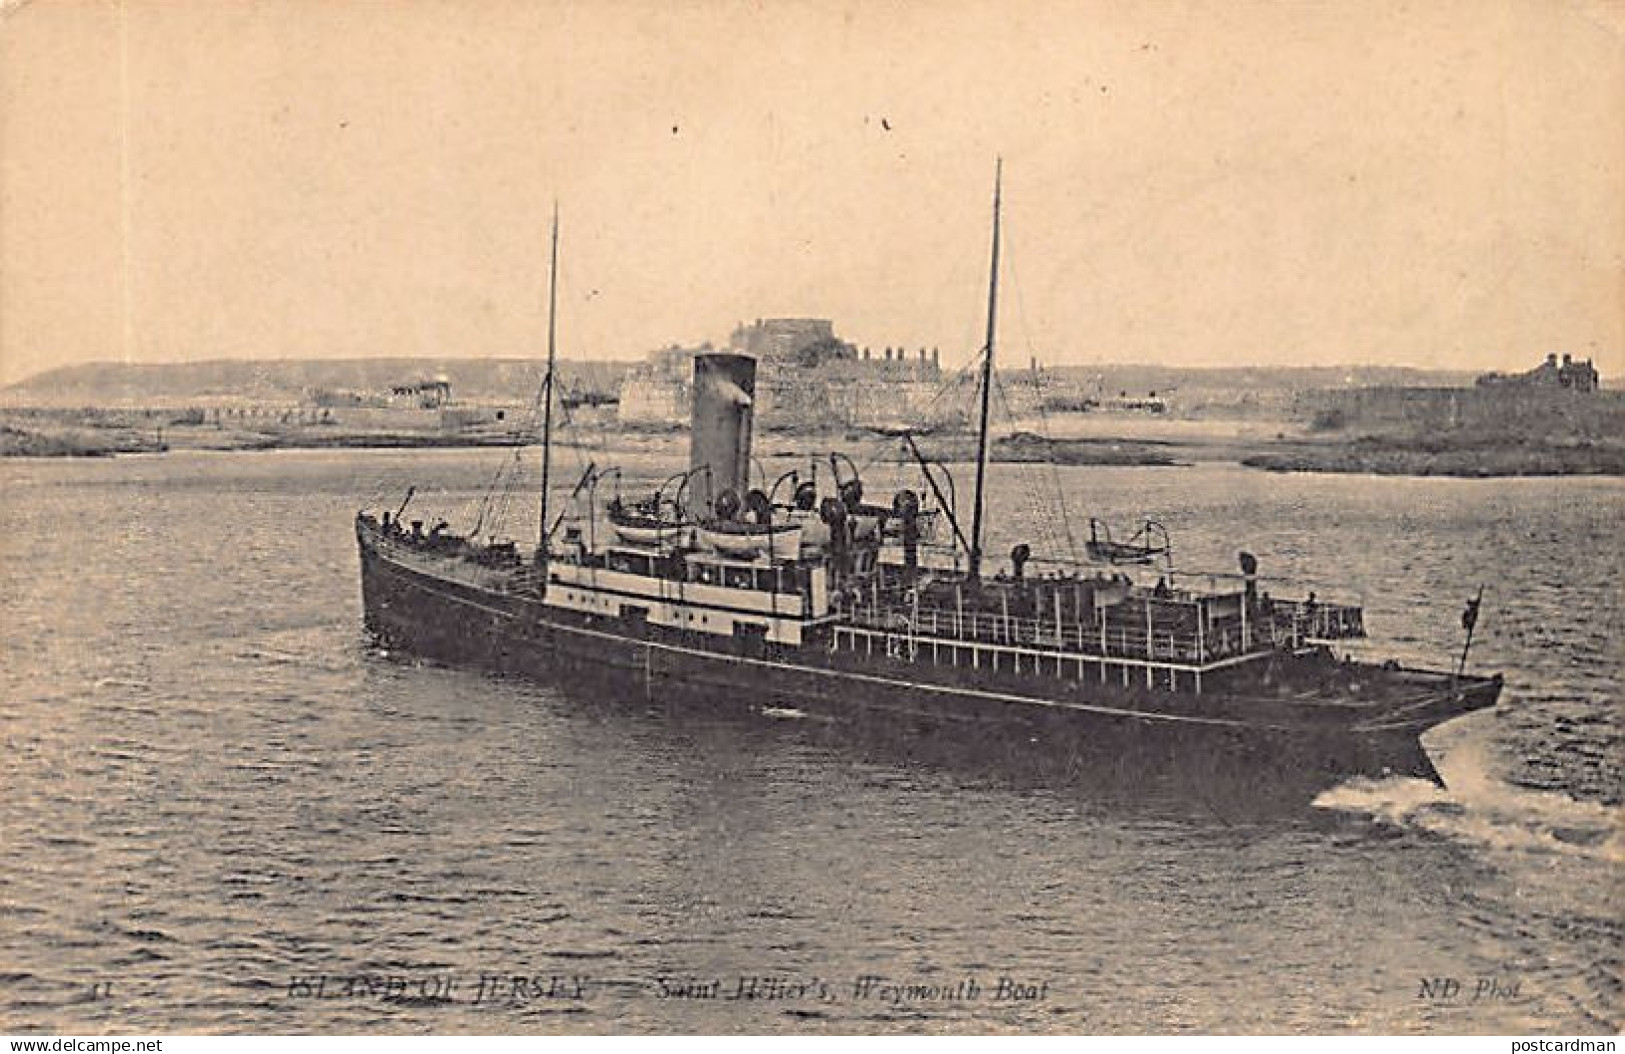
(987, 381)
(547, 385)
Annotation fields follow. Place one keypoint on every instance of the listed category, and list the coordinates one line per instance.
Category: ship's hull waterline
(459, 623)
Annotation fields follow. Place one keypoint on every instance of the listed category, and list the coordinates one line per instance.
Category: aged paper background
(1191, 183)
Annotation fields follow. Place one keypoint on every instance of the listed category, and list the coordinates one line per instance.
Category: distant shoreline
(1458, 457)
(1462, 459)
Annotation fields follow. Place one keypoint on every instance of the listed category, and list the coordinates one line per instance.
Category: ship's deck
(1103, 625)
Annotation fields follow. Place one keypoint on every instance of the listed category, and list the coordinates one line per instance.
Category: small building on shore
(1570, 374)
(426, 395)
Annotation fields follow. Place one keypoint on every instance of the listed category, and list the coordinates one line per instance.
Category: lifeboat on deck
(643, 524)
(749, 541)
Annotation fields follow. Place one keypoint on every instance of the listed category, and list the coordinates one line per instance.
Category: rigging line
(479, 505)
(377, 497)
(516, 477)
(497, 477)
(479, 514)
(515, 480)
(1041, 515)
(584, 443)
(487, 502)
(1043, 415)
(502, 502)
(496, 510)
(1055, 471)
(505, 510)
(588, 449)
(955, 384)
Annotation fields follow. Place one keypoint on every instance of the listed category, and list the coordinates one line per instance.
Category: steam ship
(802, 596)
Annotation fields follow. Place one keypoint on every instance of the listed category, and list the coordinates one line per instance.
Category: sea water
(225, 809)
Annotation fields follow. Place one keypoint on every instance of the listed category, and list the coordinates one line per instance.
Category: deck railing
(1145, 628)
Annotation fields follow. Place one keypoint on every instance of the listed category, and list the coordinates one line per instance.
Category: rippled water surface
(216, 793)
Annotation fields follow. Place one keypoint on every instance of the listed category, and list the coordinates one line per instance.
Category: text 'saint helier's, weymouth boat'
(714, 591)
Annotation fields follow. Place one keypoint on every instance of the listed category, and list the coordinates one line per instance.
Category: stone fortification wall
(1510, 409)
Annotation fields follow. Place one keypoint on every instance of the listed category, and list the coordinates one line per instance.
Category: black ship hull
(445, 619)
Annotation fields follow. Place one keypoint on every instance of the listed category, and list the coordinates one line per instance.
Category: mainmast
(547, 384)
(987, 381)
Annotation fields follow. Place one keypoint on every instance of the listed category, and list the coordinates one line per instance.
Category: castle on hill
(806, 376)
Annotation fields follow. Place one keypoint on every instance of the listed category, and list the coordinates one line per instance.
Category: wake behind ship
(800, 594)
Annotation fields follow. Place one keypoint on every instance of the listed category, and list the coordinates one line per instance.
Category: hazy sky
(1426, 183)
